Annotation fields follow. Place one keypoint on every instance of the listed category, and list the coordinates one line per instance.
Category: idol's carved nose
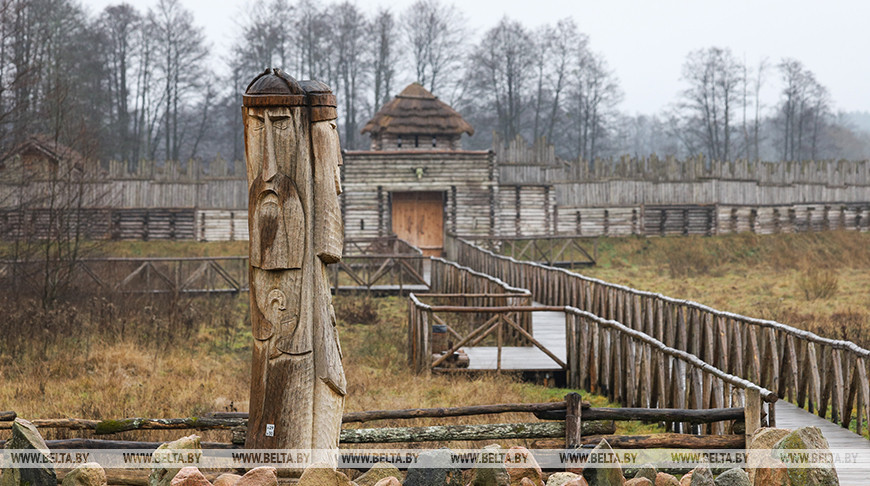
(270, 165)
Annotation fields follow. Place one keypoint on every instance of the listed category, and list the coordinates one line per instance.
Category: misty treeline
(127, 84)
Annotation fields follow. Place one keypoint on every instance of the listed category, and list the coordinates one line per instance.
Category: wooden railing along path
(824, 375)
(556, 251)
(386, 263)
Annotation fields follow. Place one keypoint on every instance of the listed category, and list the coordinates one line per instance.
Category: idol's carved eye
(281, 123)
(257, 124)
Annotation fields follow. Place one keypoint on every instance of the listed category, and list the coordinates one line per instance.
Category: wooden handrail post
(752, 412)
(771, 414)
(573, 421)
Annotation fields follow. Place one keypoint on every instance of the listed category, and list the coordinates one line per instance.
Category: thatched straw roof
(416, 111)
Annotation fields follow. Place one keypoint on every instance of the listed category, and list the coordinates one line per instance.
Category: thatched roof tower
(417, 120)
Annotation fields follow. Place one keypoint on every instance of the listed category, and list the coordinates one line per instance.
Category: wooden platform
(789, 416)
(547, 327)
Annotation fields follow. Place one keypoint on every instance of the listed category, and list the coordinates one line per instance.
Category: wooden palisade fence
(815, 372)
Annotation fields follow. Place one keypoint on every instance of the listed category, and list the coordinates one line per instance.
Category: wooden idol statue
(293, 154)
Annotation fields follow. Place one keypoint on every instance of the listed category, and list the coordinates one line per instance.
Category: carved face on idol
(278, 217)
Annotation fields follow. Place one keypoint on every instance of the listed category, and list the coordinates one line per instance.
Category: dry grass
(814, 281)
(101, 358)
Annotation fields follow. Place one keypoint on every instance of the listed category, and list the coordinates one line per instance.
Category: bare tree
(119, 24)
(803, 112)
(595, 94)
(384, 57)
(436, 34)
(709, 102)
(180, 52)
(502, 68)
(350, 50)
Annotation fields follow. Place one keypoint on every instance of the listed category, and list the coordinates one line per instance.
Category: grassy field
(103, 357)
(814, 281)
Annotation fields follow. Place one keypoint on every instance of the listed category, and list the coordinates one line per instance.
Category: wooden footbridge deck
(548, 328)
(642, 349)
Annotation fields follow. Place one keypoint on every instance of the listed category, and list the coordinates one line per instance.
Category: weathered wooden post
(293, 154)
(573, 420)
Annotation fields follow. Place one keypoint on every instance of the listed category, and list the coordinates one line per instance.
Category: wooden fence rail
(821, 374)
(595, 422)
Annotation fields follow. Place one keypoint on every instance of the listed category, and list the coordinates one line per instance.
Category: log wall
(467, 179)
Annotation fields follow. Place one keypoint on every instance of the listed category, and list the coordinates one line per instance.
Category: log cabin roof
(48, 148)
(416, 111)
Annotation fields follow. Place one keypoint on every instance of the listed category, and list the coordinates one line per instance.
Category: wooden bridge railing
(449, 278)
(637, 370)
(367, 263)
(151, 275)
(823, 375)
(556, 251)
(606, 357)
(490, 320)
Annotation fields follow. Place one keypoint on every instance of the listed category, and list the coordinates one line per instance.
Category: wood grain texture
(297, 384)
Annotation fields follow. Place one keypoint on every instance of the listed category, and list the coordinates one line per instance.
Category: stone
(531, 471)
(763, 440)
(226, 479)
(489, 470)
(638, 482)
(647, 471)
(189, 476)
(771, 472)
(603, 476)
(767, 437)
(162, 476)
(578, 481)
(259, 476)
(665, 479)
(433, 469)
(702, 476)
(526, 482)
(322, 474)
(379, 471)
(388, 481)
(733, 477)
(561, 478)
(89, 474)
(808, 438)
(686, 480)
(26, 437)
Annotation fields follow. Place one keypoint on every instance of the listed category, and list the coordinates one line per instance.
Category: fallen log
(652, 414)
(412, 413)
(438, 433)
(7, 416)
(655, 441)
(229, 420)
(118, 444)
(102, 427)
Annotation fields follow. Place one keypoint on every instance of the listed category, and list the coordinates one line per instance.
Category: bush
(818, 284)
(356, 310)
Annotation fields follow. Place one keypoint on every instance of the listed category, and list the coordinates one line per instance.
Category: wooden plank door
(418, 218)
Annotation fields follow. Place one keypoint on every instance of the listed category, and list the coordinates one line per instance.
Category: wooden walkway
(547, 327)
(789, 416)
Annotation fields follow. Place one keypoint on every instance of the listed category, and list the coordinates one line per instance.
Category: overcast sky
(646, 41)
